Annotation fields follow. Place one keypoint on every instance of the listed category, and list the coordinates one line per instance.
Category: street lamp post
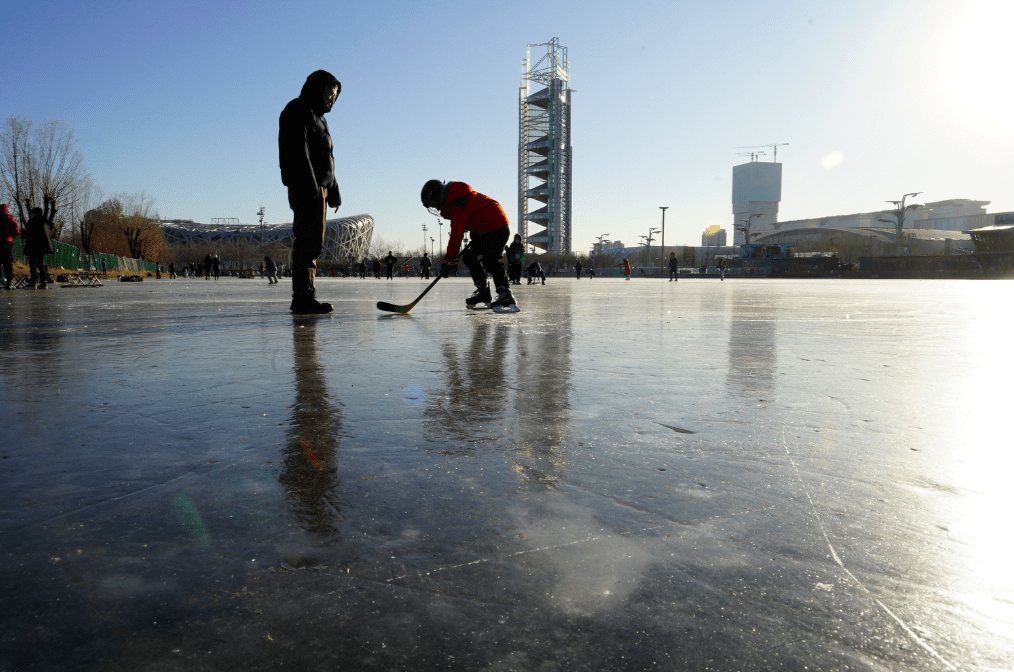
(431, 247)
(440, 235)
(745, 227)
(663, 209)
(899, 217)
(260, 213)
(600, 241)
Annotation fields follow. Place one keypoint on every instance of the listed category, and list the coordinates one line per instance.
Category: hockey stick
(391, 308)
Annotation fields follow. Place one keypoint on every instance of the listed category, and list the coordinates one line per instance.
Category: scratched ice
(624, 476)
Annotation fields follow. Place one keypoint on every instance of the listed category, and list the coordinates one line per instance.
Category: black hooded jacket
(304, 141)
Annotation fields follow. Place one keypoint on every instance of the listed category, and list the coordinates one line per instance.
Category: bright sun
(981, 59)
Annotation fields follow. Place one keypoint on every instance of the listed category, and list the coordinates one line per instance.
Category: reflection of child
(626, 269)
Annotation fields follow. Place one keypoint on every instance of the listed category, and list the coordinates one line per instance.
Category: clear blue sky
(181, 99)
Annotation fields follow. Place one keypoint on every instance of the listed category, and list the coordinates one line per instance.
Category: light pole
(663, 209)
(650, 237)
(899, 217)
(260, 213)
(744, 227)
(424, 237)
(440, 235)
(600, 241)
(431, 247)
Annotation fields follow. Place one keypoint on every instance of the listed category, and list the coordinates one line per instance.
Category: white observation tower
(544, 151)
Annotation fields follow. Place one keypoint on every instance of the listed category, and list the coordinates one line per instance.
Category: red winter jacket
(8, 225)
(470, 211)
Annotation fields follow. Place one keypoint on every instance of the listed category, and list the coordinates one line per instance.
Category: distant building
(756, 192)
(345, 238)
(606, 246)
(713, 236)
(956, 214)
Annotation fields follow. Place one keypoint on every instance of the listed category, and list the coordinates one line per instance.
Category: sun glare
(831, 160)
(980, 60)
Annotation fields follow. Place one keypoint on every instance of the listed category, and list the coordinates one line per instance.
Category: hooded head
(320, 90)
(517, 237)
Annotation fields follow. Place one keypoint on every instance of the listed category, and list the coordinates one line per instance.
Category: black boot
(307, 304)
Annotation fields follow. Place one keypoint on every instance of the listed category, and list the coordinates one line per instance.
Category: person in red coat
(626, 268)
(8, 232)
(485, 221)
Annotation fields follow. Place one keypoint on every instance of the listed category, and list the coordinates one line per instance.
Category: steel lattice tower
(544, 151)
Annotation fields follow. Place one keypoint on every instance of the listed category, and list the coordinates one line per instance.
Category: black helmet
(431, 194)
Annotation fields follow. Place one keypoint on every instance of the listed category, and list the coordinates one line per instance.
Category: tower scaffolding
(544, 152)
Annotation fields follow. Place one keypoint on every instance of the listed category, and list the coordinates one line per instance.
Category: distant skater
(376, 269)
(38, 243)
(390, 260)
(484, 219)
(271, 270)
(424, 267)
(216, 266)
(207, 267)
(674, 267)
(534, 272)
(515, 259)
(626, 269)
(577, 268)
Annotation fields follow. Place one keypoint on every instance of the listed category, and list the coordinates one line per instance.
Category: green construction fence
(70, 257)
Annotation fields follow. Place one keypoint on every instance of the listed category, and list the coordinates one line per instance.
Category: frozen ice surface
(735, 475)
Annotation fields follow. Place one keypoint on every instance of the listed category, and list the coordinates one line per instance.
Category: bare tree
(14, 161)
(140, 225)
(83, 214)
(40, 166)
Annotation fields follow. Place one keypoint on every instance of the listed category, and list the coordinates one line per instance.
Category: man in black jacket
(390, 260)
(38, 243)
(306, 158)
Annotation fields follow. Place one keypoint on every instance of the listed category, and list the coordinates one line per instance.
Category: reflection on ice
(594, 569)
(310, 459)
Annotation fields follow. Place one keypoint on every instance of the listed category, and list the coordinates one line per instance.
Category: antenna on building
(752, 155)
(772, 146)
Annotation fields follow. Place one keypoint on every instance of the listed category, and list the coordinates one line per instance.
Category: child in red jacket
(485, 220)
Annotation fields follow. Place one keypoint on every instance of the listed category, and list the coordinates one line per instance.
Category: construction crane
(772, 146)
(752, 155)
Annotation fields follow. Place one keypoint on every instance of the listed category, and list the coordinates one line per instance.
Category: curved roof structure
(345, 238)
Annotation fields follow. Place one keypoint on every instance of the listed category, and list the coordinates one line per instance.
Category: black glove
(334, 197)
(446, 267)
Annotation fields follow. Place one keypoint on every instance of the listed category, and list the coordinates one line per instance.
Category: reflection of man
(310, 457)
(306, 159)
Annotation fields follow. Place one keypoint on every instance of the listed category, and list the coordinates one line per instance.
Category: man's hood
(313, 90)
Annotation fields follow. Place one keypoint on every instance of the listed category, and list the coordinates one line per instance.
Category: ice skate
(309, 305)
(504, 302)
(480, 296)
